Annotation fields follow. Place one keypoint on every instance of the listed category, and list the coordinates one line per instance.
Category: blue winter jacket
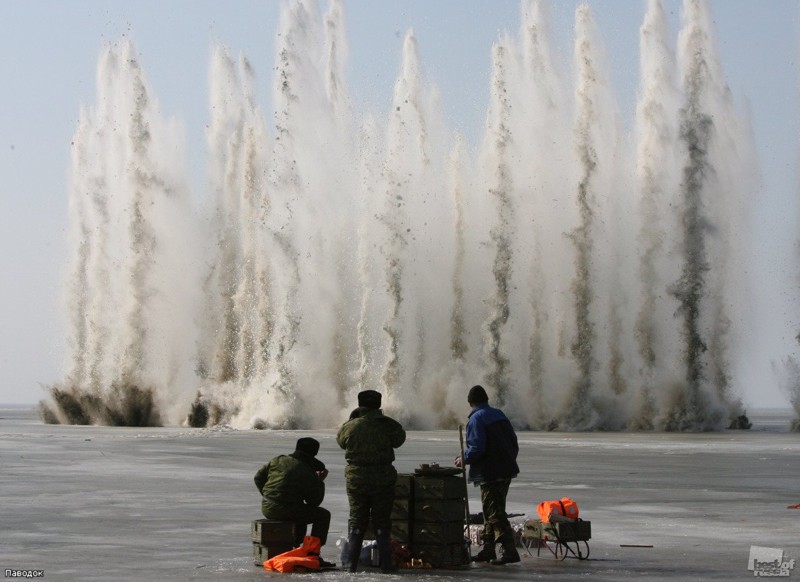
(492, 447)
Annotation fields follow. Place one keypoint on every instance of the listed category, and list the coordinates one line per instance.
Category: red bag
(301, 559)
(565, 507)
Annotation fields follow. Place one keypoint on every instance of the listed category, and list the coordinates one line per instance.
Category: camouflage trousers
(301, 515)
(496, 527)
(370, 491)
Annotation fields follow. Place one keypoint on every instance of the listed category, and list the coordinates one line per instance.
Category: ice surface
(99, 503)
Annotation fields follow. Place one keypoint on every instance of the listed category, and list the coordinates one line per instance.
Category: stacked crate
(428, 518)
(271, 538)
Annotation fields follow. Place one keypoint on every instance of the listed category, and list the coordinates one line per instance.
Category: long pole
(466, 491)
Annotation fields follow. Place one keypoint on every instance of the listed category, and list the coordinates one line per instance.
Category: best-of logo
(769, 562)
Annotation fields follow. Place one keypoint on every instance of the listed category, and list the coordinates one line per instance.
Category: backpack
(565, 507)
(301, 559)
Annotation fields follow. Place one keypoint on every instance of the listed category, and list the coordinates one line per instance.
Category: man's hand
(458, 462)
(322, 474)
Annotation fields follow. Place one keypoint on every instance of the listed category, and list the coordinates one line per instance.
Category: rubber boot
(508, 553)
(383, 537)
(354, 541)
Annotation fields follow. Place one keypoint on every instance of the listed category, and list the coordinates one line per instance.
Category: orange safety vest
(565, 506)
(301, 559)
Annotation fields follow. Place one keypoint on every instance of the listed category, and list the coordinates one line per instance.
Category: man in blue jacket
(491, 454)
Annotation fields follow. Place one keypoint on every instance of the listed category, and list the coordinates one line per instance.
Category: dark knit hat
(477, 395)
(308, 446)
(369, 399)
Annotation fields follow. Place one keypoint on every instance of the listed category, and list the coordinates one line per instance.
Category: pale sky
(50, 48)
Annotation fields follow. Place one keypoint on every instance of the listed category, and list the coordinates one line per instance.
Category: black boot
(325, 564)
(383, 537)
(508, 553)
(487, 554)
(354, 542)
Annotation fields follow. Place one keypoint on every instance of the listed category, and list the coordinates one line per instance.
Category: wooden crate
(449, 487)
(576, 531)
(442, 556)
(428, 518)
(403, 488)
(263, 553)
(433, 533)
(269, 532)
(400, 509)
(446, 532)
(428, 510)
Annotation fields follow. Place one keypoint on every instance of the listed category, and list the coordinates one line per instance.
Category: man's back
(370, 439)
(491, 454)
(493, 447)
(288, 481)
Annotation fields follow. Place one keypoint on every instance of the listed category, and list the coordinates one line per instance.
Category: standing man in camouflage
(369, 439)
(491, 454)
(292, 488)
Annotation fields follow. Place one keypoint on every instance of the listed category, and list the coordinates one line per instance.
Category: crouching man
(292, 487)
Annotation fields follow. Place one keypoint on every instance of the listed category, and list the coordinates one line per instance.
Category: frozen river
(98, 503)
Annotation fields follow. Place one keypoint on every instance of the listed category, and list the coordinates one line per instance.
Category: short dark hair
(477, 395)
(308, 446)
(369, 399)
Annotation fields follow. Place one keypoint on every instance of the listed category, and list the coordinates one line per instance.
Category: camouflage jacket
(369, 438)
(290, 480)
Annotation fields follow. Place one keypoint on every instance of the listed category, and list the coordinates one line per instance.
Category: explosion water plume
(337, 250)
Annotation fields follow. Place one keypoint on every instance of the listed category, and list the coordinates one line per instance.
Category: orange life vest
(301, 559)
(565, 506)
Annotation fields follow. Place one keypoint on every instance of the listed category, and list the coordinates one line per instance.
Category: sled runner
(559, 537)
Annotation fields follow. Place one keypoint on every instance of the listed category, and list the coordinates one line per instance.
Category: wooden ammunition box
(577, 531)
(441, 533)
(403, 489)
(402, 529)
(449, 487)
(573, 532)
(433, 533)
(442, 556)
(428, 518)
(400, 509)
(263, 553)
(428, 510)
(268, 532)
